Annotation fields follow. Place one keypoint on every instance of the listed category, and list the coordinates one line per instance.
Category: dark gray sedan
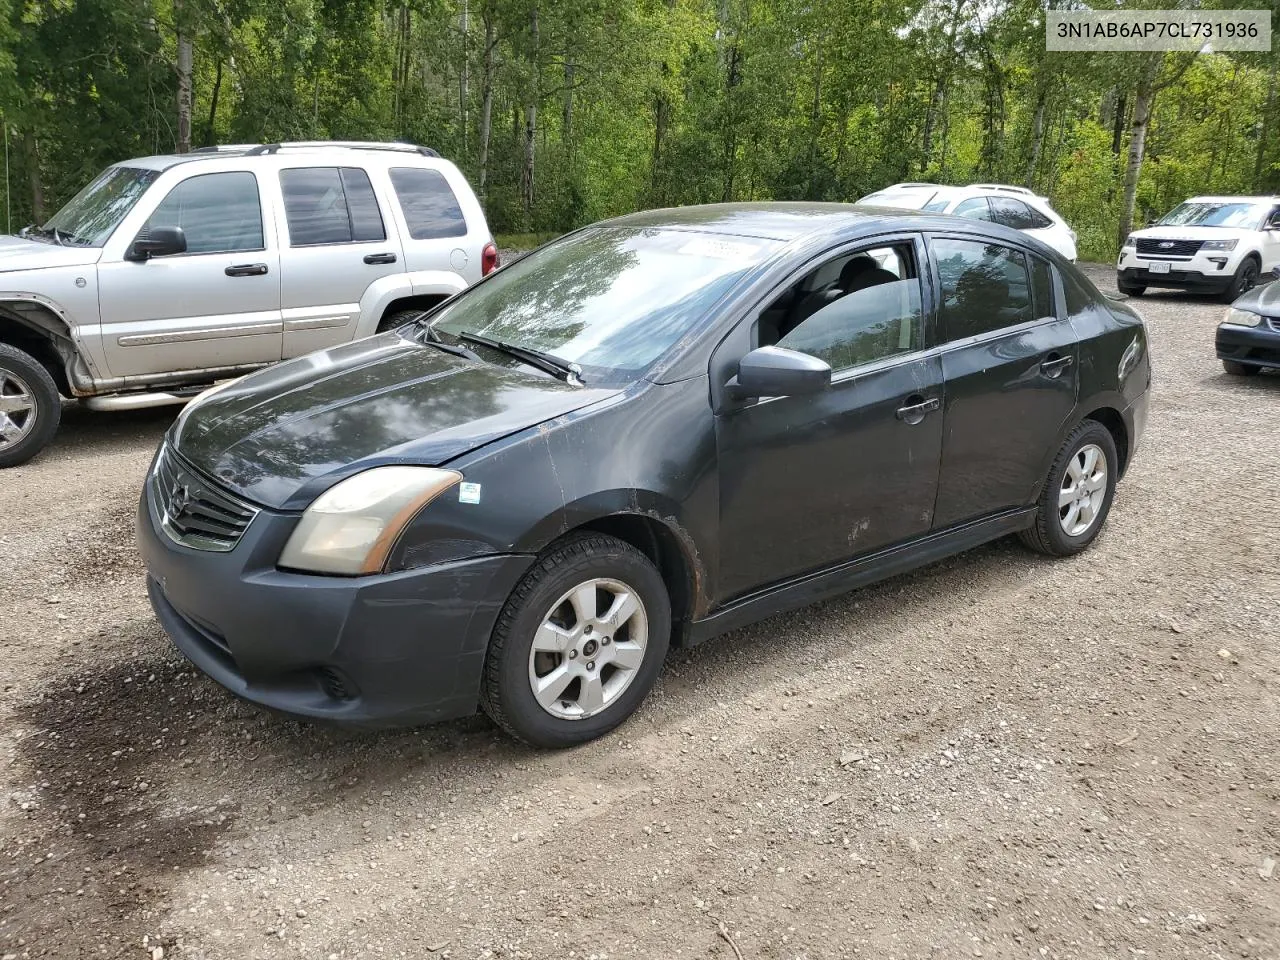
(651, 431)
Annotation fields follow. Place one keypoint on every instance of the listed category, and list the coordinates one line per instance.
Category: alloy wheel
(1084, 487)
(588, 649)
(17, 409)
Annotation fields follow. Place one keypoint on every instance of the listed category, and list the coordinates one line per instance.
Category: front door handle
(1054, 364)
(380, 258)
(246, 270)
(916, 407)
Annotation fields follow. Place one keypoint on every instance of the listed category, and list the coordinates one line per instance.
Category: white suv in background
(166, 274)
(1015, 207)
(1218, 245)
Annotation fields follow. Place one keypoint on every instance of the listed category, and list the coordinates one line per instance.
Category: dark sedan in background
(1248, 340)
(652, 430)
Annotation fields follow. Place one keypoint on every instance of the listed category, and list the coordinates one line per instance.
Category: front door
(215, 306)
(337, 246)
(1011, 362)
(806, 482)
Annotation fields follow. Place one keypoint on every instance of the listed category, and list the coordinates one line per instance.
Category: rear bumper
(1257, 346)
(387, 650)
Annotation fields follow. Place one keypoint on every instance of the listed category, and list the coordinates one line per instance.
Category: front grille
(193, 511)
(1168, 248)
(1274, 323)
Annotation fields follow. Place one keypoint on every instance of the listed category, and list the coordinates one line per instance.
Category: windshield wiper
(432, 337)
(40, 233)
(570, 373)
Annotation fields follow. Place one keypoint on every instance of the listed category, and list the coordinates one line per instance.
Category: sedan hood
(1264, 300)
(282, 436)
(19, 254)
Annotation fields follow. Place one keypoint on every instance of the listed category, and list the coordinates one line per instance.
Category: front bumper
(1200, 273)
(1258, 346)
(386, 650)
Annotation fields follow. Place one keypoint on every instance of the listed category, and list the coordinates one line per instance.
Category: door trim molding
(209, 333)
(860, 572)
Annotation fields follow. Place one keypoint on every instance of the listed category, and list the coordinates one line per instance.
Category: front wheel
(1246, 279)
(30, 408)
(1130, 289)
(1237, 369)
(579, 643)
(1077, 494)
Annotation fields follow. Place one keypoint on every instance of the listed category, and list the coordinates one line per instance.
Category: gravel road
(999, 756)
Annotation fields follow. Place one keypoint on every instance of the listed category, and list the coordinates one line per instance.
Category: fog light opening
(335, 685)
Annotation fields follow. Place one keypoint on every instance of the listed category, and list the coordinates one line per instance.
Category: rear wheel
(1237, 369)
(1246, 279)
(1130, 289)
(579, 643)
(1077, 493)
(29, 406)
(393, 321)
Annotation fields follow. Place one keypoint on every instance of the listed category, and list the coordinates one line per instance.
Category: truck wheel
(29, 406)
(1129, 289)
(393, 321)
(1245, 279)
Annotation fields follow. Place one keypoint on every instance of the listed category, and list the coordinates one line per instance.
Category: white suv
(168, 273)
(1218, 245)
(1015, 207)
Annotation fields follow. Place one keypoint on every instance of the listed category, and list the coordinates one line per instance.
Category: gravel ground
(998, 756)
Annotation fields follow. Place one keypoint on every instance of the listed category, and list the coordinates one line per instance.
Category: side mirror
(1151, 223)
(778, 372)
(157, 242)
(1273, 223)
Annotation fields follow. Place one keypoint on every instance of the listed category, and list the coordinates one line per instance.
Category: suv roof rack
(1004, 187)
(894, 186)
(267, 148)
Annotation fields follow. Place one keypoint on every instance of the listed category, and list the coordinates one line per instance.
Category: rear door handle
(246, 270)
(380, 258)
(1054, 364)
(917, 407)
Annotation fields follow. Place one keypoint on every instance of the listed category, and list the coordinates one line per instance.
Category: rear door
(443, 227)
(335, 244)
(1010, 361)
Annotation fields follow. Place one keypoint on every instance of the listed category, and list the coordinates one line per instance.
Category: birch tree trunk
(1143, 96)
(530, 120)
(184, 92)
(486, 94)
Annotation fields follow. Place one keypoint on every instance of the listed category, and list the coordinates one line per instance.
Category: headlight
(1129, 243)
(1219, 245)
(351, 527)
(1241, 318)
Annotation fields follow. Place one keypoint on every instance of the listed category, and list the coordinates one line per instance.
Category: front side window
(985, 287)
(1246, 216)
(93, 214)
(430, 208)
(975, 208)
(218, 212)
(854, 309)
(611, 299)
(330, 205)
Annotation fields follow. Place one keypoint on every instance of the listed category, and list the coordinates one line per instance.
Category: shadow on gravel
(85, 431)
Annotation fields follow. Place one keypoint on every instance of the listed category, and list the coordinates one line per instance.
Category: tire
(1129, 289)
(30, 407)
(1245, 279)
(393, 321)
(1237, 369)
(1048, 534)
(546, 602)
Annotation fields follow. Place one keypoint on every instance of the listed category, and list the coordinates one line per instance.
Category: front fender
(396, 286)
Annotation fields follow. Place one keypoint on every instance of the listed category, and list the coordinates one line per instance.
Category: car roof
(1231, 199)
(801, 222)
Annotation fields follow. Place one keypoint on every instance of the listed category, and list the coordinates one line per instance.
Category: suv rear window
(430, 208)
(330, 205)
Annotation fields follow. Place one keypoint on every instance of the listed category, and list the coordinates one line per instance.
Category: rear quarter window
(431, 209)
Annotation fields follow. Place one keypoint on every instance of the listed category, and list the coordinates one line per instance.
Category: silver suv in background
(166, 274)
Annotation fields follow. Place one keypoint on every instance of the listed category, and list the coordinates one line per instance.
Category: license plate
(1158, 267)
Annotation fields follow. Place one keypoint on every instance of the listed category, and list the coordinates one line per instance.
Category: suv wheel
(1237, 369)
(29, 406)
(1246, 279)
(579, 643)
(1077, 494)
(1129, 289)
(394, 321)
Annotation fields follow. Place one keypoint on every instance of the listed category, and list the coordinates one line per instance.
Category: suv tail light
(489, 261)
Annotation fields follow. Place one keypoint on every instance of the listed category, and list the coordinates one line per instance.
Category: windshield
(94, 213)
(1247, 216)
(610, 299)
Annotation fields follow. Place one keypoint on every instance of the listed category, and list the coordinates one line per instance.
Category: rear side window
(218, 212)
(1016, 214)
(430, 208)
(985, 287)
(975, 208)
(330, 205)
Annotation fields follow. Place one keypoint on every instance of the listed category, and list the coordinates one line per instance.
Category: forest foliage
(562, 112)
